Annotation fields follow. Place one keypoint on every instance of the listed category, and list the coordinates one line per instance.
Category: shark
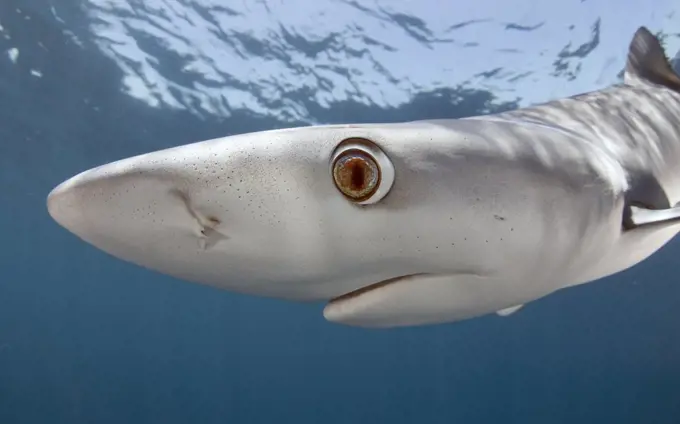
(410, 223)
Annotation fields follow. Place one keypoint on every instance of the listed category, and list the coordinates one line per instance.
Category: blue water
(85, 338)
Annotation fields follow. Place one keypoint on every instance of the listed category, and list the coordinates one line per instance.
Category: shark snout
(61, 206)
(115, 207)
(73, 203)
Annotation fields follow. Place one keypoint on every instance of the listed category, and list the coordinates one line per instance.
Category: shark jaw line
(431, 298)
(417, 299)
(341, 309)
(375, 286)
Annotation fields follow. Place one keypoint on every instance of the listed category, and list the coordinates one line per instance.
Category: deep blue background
(85, 338)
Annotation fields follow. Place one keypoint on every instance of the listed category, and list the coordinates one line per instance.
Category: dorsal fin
(647, 61)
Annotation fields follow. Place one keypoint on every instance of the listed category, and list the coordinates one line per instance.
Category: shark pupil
(356, 175)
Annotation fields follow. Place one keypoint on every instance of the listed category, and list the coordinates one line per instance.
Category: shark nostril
(207, 232)
(210, 237)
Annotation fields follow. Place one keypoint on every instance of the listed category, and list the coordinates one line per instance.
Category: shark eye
(361, 171)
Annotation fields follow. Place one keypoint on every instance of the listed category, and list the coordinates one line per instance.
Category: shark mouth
(369, 302)
(425, 298)
(369, 288)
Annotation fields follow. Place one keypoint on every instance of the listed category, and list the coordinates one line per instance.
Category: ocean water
(86, 338)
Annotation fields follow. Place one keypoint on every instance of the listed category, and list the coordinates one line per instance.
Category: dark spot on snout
(500, 218)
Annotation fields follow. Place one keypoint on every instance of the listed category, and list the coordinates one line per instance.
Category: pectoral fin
(509, 311)
(647, 204)
(640, 216)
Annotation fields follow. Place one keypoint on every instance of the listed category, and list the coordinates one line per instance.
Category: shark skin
(406, 224)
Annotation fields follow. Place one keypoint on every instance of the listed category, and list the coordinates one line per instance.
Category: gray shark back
(634, 126)
(636, 123)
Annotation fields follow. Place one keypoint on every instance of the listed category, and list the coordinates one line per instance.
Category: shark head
(393, 224)
(347, 212)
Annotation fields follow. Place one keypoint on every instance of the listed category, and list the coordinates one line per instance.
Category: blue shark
(406, 224)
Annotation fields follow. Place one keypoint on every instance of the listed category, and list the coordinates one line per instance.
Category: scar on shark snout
(207, 230)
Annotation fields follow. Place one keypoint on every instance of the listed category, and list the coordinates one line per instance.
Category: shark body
(410, 223)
